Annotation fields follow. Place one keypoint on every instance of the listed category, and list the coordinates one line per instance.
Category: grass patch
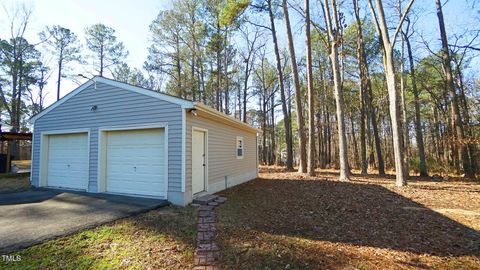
(288, 221)
(15, 181)
(159, 239)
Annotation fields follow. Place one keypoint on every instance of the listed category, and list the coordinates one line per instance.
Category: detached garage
(107, 136)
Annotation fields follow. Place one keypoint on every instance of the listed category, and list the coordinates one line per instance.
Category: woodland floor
(286, 221)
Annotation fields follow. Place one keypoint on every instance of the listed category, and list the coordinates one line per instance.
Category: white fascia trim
(183, 103)
(206, 109)
(60, 101)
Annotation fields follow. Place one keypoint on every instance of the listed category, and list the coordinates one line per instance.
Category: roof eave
(204, 108)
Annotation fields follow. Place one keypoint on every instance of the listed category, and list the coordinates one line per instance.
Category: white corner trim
(31, 156)
(184, 147)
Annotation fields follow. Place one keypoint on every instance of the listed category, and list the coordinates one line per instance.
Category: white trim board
(184, 147)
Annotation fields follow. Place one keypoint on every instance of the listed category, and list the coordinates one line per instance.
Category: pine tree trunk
(311, 104)
(298, 101)
(219, 71)
(363, 81)
(422, 166)
(286, 117)
(59, 73)
(334, 43)
(457, 120)
(403, 106)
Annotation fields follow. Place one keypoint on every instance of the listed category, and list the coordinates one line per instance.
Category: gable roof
(97, 79)
(185, 104)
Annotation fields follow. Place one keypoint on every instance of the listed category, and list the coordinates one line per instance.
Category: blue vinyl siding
(115, 107)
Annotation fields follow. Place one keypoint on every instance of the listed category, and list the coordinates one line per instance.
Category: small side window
(240, 147)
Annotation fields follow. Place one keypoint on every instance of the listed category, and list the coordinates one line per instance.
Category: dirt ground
(286, 221)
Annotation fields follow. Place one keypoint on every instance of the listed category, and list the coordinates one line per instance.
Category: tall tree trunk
(404, 104)
(472, 151)
(101, 60)
(373, 119)
(60, 61)
(274, 159)
(219, 71)
(311, 103)
(286, 117)
(192, 77)
(202, 78)
(389, 66)
(334, 43)
(298, 96)
(227, 83)
(422, 166)
(401, 179)
(363, 82)
(245, 88)
(354, 141)
(178, 68)
(457, 120)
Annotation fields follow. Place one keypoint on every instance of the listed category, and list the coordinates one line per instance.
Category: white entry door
(135, 162)
(68, 161)
(198, 161)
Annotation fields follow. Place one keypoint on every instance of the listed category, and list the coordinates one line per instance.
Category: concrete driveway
(31, 217)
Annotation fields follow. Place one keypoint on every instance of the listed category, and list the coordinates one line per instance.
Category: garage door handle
(68, 165)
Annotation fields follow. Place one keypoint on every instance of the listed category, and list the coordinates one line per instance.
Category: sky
(131, 20)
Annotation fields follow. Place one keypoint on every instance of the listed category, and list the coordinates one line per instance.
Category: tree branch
(258, 25)
(400, 23)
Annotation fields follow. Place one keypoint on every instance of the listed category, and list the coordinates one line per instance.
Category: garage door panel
(135, 162)
(68, 161)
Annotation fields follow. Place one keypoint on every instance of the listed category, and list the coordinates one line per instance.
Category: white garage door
(135, 162)
(68, 161)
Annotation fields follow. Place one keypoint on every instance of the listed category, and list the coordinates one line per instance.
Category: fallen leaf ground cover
(286, 221)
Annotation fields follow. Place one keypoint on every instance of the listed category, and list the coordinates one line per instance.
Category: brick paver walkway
(207, 252)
